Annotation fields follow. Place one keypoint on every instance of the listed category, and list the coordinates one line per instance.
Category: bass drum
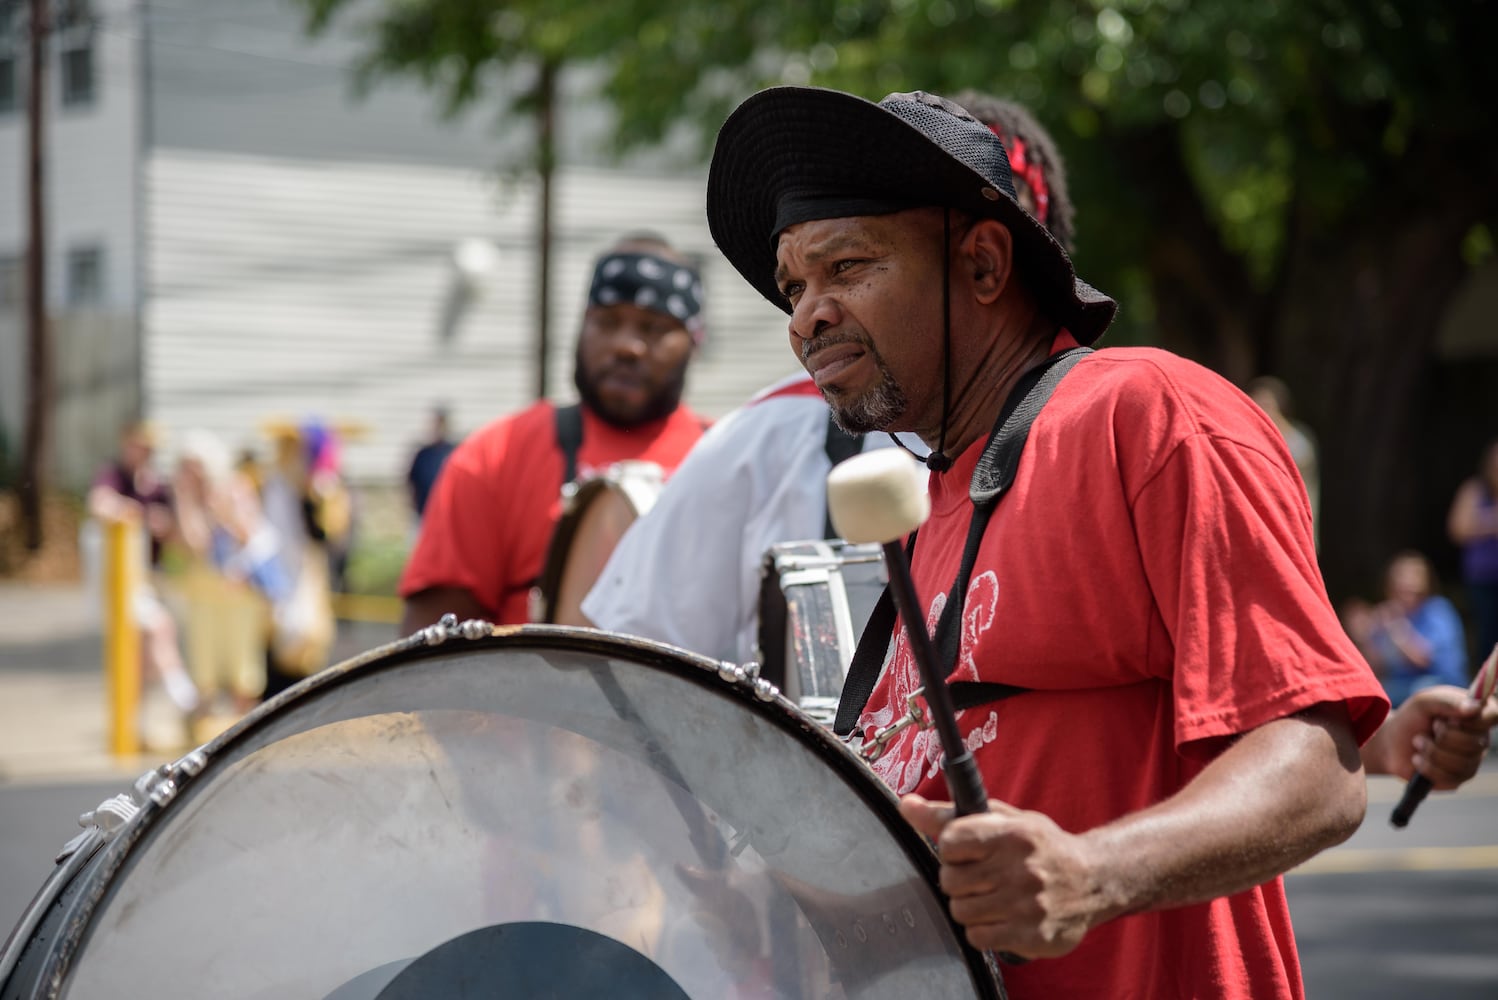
(521, 812)
(595, 515)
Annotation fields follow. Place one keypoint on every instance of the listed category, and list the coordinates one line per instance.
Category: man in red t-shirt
(491, 513)
(1185, 712)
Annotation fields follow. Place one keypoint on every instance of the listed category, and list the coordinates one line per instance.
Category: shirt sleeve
(1225, 537)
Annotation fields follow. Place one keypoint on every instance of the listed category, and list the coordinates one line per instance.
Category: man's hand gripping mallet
(1419, 786)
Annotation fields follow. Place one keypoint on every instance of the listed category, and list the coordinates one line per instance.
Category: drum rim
(76, 921)
(574, 506)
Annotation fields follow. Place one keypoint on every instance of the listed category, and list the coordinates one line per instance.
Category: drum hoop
(57, 881)
(479, 636)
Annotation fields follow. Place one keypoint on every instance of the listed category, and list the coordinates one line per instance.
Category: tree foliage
(1272, 185)
(1273, 108)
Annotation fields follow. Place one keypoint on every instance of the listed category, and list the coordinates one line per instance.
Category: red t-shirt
(1151, 576)
(491, 513)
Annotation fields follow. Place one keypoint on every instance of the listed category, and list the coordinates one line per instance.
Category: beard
(661, 403)
(875, 408)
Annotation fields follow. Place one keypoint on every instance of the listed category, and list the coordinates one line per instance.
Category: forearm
(1277, 796)
(428, 606)
(1409, 644)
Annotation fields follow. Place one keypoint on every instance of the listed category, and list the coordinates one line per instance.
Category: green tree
(1287, 186)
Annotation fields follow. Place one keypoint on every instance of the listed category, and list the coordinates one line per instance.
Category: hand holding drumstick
(1450, 754)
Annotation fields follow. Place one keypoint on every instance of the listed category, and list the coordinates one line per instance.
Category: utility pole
(39, 384)
(546, 159)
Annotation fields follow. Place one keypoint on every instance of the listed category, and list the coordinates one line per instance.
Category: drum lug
(476, 628)
(764, 690)
(448, 627)
(111, 814)
(748, 675)
(873, 746)
(158, 786)
(191, 764)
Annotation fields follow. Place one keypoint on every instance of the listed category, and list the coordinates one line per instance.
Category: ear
(987, 251)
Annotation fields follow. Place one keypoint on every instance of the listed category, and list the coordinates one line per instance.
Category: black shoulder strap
(569, 423)
(868, 657)
(773, 614)
(993, 476)
(840, 446)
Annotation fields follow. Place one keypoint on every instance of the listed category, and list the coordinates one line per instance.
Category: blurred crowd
(1412, 633)
(246, 550)
(242, 555)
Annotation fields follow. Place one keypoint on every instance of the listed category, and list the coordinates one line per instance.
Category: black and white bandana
(649, 282)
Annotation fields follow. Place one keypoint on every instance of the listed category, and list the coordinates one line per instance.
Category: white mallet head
(877, 496)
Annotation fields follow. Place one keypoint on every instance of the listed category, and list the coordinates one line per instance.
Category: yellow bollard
(122, 580)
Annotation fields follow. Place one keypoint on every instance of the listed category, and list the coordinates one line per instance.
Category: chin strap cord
(939, 460)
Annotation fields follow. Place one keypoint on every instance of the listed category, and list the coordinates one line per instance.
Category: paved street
(1404, 914)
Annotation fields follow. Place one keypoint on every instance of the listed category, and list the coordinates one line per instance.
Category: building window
(85, 276)
(10, 92)
(11, 42)
(78, 76)
(76, 53)
(12, 281)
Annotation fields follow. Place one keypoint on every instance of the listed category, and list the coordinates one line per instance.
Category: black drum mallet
(880, 496)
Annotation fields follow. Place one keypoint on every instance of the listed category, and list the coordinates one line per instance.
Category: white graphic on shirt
(916, 754)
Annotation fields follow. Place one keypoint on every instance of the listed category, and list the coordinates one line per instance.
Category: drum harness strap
(992, 477)
(569, 430)
(569, 424)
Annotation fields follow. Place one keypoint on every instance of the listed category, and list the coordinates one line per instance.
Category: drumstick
(1419, 786)
(880, 496)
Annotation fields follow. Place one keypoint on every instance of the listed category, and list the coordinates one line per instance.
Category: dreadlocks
(1039, 174)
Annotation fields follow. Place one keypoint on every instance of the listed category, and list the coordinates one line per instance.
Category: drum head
(548, 806)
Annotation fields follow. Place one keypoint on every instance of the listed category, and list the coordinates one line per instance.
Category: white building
(234, 238)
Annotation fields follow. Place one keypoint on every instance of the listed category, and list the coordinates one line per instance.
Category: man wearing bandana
(490, 516)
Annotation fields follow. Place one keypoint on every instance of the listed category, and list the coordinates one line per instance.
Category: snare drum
(815, 597)
(478, 812)
(595, 516)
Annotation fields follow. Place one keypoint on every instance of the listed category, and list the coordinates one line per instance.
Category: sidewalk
(53, 709)
(53, 703)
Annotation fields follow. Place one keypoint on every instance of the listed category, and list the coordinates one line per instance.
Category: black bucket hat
(791, 154)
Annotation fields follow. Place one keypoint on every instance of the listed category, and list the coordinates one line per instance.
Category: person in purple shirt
(128, 489)
(1473, 526)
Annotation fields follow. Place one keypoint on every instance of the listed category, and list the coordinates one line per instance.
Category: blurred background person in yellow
(231, 577)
